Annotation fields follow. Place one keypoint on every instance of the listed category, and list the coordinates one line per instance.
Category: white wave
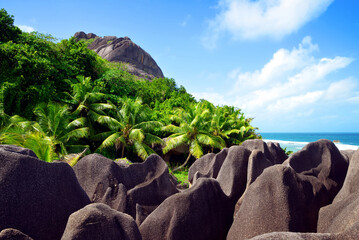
(340, 146)
(286, 142)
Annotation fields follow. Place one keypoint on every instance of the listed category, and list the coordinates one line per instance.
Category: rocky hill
(114, 49)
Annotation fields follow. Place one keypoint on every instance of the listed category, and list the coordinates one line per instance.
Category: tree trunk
(184, 164)
(123, 150)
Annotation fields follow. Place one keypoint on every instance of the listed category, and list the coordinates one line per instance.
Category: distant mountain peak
(122, 49)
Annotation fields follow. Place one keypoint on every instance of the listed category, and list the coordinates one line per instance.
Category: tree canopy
(60, 98)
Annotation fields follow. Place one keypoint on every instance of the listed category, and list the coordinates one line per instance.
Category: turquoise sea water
(296, 141)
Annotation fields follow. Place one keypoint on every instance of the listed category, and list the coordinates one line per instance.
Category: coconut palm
(229, 124)
(85, 99)
(193, 131)
(129, 127)
(54, 122)
(51, 136)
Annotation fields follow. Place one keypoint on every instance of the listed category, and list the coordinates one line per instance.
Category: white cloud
(282, 63)
(25, 28)
(215, 98)
(341, 89)
(292, 83)
(246, 19)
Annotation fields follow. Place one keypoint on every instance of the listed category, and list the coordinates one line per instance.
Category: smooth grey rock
(99, 221)
(147, 183)
(208, 166)
(123, 50)
(200, 212)
(322, 160)
(37, 197)
(13, 234)
(232, 176)
(279, 200)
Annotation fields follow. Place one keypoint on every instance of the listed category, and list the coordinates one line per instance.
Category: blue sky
(292, 65)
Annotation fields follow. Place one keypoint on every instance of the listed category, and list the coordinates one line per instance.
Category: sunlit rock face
(122, 49)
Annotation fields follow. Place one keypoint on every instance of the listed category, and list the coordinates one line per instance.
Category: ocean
(296, 141)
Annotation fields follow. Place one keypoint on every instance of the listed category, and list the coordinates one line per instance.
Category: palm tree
(193, 131)
(54, 122)
(87, 101)
(129, 127)
(51, 136)
(229, 124)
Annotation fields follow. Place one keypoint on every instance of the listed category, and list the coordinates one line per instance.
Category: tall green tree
(230, 124)
(52, 136)
(8, 32)
(130, 127)
(193, 131)
(88, 102)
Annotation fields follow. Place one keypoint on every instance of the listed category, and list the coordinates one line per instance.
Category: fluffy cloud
(246, 19)
(25, 28)
(293, 82)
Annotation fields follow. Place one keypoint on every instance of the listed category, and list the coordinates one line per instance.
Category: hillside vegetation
(60, 98)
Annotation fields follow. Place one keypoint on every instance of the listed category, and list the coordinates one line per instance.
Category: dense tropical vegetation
(60, 98)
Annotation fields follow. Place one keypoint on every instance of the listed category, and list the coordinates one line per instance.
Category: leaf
(110, 141)
(196, 149)
(137, 135)
(174, 141)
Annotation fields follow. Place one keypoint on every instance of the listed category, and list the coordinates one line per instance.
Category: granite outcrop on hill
(244, 192)
(122, 49)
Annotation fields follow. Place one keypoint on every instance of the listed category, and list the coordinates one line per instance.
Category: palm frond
(149, 125)
(150, 139)
(196, 149)
(174, 142)
(140, 150)
(137, 135)
(110, 140)
(76, 134)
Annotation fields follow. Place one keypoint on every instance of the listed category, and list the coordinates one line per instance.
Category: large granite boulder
(99, 221)
(13, 234)
(350, 234)
(340, 216)
(322, 160)
(295, 236)
(37, 197)
(232, 176)
(257, 162)
(147, 183)
(344, 211)
(121, 49)
(351, 180)
(208, 165)
(272, 151)
(17, 149)
(279, 200)
(200, 212)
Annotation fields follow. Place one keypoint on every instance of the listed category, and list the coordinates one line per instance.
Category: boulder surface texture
(99, 221)
(37, 197)
(146, 184)
(200, 212)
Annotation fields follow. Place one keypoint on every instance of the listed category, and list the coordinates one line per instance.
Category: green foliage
(100, 104)
(129, 127)
(34, 69)
(8, 32)
(182, 177)
(287, 152)
(51, 136)
(193, 131)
